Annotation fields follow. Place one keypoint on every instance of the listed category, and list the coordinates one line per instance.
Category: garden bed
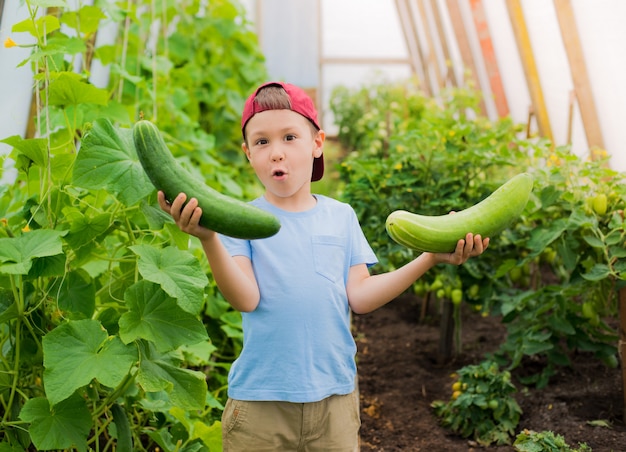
(399, 378)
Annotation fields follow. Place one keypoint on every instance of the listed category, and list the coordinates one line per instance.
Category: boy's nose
(277, 155)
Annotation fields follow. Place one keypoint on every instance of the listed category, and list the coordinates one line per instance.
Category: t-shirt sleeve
(236, 247)
(362, 252)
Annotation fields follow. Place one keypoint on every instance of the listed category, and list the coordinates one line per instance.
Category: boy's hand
(472, 246)
(186, 216)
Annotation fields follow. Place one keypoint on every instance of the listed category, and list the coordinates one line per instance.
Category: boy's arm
(233, 275)
(367, 293)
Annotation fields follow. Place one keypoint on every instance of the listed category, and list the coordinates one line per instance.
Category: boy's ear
(245, 149)
(319, 143)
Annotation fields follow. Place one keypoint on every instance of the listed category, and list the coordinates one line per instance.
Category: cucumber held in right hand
(440, 234)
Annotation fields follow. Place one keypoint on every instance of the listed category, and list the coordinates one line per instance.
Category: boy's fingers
(162, 201)
(187, 211)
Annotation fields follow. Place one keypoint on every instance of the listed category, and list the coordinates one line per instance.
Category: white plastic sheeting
(305, 42)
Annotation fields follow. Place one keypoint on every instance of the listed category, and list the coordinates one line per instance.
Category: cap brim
(318, 168)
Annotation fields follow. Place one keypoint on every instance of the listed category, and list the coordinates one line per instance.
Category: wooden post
(570, 116)
(522, 39)
(578, 69)
(405, 15)
(622, 345)
(450, 73)
(489, 55)
(431, 58)
(462, 40)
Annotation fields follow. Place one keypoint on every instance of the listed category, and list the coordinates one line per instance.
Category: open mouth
(278, 173)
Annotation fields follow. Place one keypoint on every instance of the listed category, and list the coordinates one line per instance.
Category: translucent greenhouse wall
(353, 29)
(305, 41)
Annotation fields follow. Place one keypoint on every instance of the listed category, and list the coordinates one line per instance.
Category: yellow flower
(553, 160)
(26, 228)
(398, 166)
(4, 222)
(8, 43)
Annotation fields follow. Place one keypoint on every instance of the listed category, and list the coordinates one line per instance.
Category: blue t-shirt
(297, 344)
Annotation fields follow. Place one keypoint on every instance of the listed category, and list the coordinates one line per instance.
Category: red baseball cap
(300, 102)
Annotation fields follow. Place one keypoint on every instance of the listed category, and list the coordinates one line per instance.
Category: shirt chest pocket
(329, 256)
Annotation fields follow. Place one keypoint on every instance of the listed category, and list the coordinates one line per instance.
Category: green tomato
(600, 204)
(516, 274)
(436, 284)
(419, 288)
(589, 312)
(473, 291)
(493, 404)
(456, 296)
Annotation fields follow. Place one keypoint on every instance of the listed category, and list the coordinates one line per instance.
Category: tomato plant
(553, 275)
(531, 441)
(482, 406)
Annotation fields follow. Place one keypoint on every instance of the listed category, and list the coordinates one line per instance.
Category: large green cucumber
(440, 234)
(220, 213)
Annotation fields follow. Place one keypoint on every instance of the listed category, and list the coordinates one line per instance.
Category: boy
(293, 386)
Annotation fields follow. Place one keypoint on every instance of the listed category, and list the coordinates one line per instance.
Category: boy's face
(281, 146)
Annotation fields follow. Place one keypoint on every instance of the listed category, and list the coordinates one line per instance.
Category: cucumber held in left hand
(440, 234)
(220, 212)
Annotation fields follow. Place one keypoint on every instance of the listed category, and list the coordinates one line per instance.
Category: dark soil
(399, 377)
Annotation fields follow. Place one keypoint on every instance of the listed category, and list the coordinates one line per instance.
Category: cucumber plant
(114, 336)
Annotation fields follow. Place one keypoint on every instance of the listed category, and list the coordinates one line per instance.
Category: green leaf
(107, 160)
(593, 241)
(94, 354)
(17, 253)
(49, 3)
(597, 272)
(44, 25)
(178, 272)
(68, 90)
(65, 426)
(48, 266)
(534, 346)
(153, 315)
(58, 45)
(85, 20)
(211, 435)
(561, 325)
(8, 308)
(186, 388)
(540, 238)
(198, 354)
(77, 295)
(617, 251)
(83, 228)
(35, 149)
(579, 219)
(613, 237)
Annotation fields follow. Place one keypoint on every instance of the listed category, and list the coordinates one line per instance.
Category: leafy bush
(481, 406)
(553, 275)
(546, 441)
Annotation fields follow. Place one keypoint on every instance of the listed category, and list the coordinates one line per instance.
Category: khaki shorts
(329, 425)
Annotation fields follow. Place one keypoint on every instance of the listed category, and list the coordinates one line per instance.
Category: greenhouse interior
(465, 291)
